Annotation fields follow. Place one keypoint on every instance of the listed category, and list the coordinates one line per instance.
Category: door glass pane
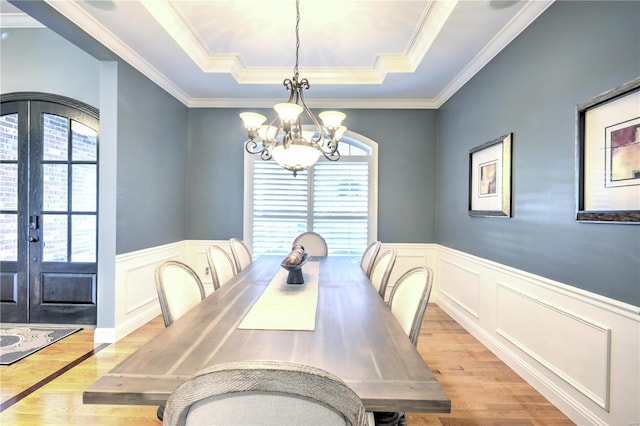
(83, 187)
(84, 145)
(9, 237)
(8, 187)
(9, 137)
(83, 238)
(55, 137)
(54, 234)
(54, 187)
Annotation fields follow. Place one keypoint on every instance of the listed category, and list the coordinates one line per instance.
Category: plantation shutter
(341, 205)
(332, 199)
(280, 207)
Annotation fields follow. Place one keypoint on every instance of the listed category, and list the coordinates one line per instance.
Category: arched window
(338, 200)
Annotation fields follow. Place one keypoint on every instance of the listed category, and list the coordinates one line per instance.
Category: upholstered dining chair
(369, 257)
(264, 393)
(408, 303)
(381, 271)
(179, 289)
(241, 254)
(221, 266)
(314, 244)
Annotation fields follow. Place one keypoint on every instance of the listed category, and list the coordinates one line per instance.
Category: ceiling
(355, 53)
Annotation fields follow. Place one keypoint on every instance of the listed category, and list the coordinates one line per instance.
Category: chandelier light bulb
(288, 112)
(252, 120)
(332, 119)
(268, 133)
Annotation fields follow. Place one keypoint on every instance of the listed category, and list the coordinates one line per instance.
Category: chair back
(409, 299)
(369, 257)
(314, 244)
(221, 266)
(381, 271)
(179, 289)
(264, 393)
(241, 254)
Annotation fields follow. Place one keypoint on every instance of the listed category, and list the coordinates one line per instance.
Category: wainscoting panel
(135, 290)
(578, 349)
(574, 348)
(460, 284)
(409, 256)
(196, 257)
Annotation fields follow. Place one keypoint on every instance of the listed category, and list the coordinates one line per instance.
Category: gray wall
(152, 129)
(152, 164)
(406, 172)
(38, 60)
(574, 51)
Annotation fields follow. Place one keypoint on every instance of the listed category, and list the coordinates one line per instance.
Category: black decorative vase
(295, 271)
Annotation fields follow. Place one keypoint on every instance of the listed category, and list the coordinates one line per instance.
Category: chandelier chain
(295, 70)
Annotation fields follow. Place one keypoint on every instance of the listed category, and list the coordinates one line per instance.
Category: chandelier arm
(252, 147)
(265, 155)
(331, 156)
(320, 139)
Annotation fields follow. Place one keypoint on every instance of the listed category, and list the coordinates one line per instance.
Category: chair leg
(160, 412)
(386, 418)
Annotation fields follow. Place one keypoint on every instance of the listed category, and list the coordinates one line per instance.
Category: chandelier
(291, 147)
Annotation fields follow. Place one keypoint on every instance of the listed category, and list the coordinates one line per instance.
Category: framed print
(490, 178)
(608, 156)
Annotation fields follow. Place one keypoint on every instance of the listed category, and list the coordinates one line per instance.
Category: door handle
(34, 239)
(34, 222)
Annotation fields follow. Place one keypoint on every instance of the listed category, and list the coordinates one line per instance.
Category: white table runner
(285, 306)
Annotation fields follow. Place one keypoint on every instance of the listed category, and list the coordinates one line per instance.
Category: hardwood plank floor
(483, 390)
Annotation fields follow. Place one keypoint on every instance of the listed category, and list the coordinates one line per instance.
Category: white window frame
(373, 186)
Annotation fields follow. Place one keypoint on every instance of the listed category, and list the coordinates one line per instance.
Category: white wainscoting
(135, 288)
(578, 349)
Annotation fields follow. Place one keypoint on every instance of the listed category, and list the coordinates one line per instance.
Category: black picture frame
(490, 178)
(607, 174)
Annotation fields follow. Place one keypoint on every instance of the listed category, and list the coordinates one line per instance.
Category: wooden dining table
(355, 337)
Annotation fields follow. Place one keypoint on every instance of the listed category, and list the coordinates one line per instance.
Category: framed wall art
(608, 156)
(490, 178)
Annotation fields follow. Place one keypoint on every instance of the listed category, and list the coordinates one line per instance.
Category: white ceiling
(355, 53)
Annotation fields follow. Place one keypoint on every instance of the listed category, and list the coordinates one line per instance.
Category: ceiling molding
(431, 22)
(319, 103)
(519, 23)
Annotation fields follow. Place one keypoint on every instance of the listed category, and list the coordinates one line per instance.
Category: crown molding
(318, 103)
(519, 23)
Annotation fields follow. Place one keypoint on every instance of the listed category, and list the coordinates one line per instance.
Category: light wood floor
(483, 390)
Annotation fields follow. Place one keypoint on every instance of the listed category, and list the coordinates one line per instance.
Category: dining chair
(369, 257)
(221, 266)
(179, 289)
(241, 254)
(264, 392)
(381, 271)
(408, 303)
(314, 244)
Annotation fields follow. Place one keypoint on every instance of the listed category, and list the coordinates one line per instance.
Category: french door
(48, 210)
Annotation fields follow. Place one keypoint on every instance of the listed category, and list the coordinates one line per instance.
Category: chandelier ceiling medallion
(291, 147)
